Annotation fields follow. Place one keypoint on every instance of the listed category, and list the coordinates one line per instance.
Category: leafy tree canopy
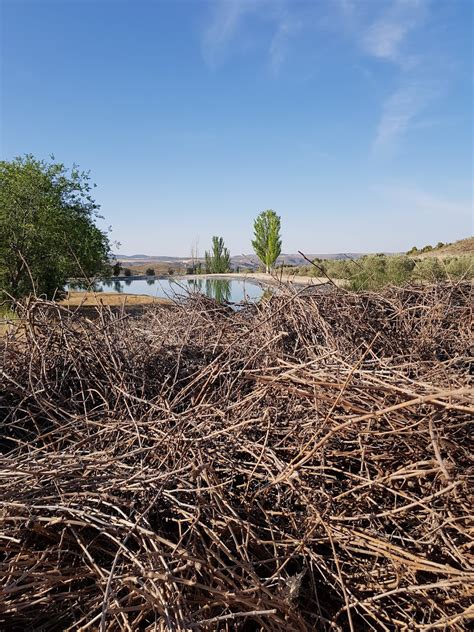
(267, 241)
(47, 227)
(218, 259)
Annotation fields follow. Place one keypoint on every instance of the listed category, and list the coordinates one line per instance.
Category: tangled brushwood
(298, 465)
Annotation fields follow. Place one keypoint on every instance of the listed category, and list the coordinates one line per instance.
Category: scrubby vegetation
(373, 272)
(298, 465)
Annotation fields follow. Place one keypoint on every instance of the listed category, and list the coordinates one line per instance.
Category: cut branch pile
(299, 465)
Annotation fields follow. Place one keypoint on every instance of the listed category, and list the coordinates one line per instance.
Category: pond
(223, 290)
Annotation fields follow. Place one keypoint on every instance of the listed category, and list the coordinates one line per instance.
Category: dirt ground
(91, 299)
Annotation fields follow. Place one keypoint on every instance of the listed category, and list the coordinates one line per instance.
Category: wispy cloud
(385, 36)
(222, 28)
(384, 31)
(228, 19)
(287, 26)
(415, 200)
(400, 112)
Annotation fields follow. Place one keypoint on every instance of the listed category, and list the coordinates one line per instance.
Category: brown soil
(92, 299)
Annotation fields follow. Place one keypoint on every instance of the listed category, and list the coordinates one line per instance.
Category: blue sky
(352, 119)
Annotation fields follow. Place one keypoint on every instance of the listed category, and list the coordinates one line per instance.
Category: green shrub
(460, 267)
(373, 272)
(399, 269)
(429, 270)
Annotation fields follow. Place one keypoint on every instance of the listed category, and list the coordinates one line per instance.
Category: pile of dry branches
(299, 465)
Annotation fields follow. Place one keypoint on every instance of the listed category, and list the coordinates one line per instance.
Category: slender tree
(267, 241)
(218, 259)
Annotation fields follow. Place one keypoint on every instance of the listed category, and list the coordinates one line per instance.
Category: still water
(223, 290)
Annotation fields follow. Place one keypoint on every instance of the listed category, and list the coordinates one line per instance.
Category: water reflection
(218, 289)
(222, 290)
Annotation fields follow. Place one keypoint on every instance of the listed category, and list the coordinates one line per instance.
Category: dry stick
(423, 399)
(321, 270)
(436, 449)
(235, 615)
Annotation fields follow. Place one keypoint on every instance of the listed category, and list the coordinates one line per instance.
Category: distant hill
(243, 261)
(145, 258)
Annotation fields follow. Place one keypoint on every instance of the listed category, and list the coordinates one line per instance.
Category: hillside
(456, 249)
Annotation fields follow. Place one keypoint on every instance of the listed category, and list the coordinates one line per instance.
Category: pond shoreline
(262, 279)
(139, 290)
(259, 278)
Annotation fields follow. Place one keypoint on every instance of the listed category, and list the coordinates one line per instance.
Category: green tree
(47, 227)
(267, 241)
(150, 272)
(127, 272)
(116, 268)
(218, 259)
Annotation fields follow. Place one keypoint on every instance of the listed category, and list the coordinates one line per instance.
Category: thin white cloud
(224, 24)
(286, 28)
(386, 39)
(400, 112)
(385, 36)
(228, 17)
(414, 200)
(382, 30)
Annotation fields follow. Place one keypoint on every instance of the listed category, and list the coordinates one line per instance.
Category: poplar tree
(267, 241)
(218, 259)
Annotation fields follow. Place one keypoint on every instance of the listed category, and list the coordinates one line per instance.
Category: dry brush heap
(300, 465)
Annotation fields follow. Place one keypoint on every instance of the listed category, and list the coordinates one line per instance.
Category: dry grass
(299, 465)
